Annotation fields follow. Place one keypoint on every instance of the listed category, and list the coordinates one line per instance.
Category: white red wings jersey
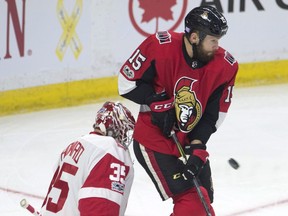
(94, 177)
(202, 95)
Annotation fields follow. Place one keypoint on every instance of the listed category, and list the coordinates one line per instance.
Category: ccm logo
(161, 107)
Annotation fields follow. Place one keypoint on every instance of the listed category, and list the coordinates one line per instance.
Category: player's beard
(203, 55)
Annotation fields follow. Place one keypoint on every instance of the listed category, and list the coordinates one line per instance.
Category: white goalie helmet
(115, 120)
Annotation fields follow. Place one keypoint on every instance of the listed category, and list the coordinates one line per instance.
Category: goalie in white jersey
(95, 173)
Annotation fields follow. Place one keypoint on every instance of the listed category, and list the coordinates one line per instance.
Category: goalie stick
(194, 179)
(29, 208)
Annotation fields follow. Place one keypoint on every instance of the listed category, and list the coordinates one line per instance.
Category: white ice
(255, 133)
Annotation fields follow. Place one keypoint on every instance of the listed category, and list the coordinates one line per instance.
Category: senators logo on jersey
(187, 106)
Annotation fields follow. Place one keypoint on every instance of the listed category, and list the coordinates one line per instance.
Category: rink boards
(87, 91)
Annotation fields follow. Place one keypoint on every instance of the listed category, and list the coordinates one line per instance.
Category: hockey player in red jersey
(183, 82)
(94, 174)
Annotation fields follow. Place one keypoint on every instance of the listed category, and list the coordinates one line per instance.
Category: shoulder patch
(163, 37)
(229, 58)
(128, 72)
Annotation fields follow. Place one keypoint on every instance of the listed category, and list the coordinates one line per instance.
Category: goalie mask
(115, 120)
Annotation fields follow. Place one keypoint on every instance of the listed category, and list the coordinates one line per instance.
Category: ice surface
(254, 133)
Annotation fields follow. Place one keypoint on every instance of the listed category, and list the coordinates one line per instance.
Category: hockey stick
(30, 208)
(194, 179)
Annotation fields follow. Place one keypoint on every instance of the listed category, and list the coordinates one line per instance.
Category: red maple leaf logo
(157, 9)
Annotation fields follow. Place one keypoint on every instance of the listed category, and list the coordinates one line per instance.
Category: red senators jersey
(93, 177)
(202, 93)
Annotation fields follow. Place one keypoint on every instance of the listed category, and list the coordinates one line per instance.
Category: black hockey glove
(206, 181)
(197, 157)
(162, 112)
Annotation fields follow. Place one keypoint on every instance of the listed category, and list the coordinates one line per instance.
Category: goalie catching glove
(196, 158)
(162, 112)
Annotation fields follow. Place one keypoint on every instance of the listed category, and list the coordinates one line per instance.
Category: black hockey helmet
(207, 20)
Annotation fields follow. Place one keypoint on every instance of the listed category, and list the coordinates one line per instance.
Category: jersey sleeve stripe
(89, 192)
(125, 85)
(221, 118)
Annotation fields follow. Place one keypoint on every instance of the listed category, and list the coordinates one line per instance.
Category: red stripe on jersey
(98, 206)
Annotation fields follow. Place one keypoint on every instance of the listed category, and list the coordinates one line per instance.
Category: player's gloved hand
(162, 111)
(197, 157)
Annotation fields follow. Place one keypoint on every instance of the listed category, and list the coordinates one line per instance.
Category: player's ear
(194, 38)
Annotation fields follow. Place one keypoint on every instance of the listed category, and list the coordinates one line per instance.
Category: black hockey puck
(233, 163)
